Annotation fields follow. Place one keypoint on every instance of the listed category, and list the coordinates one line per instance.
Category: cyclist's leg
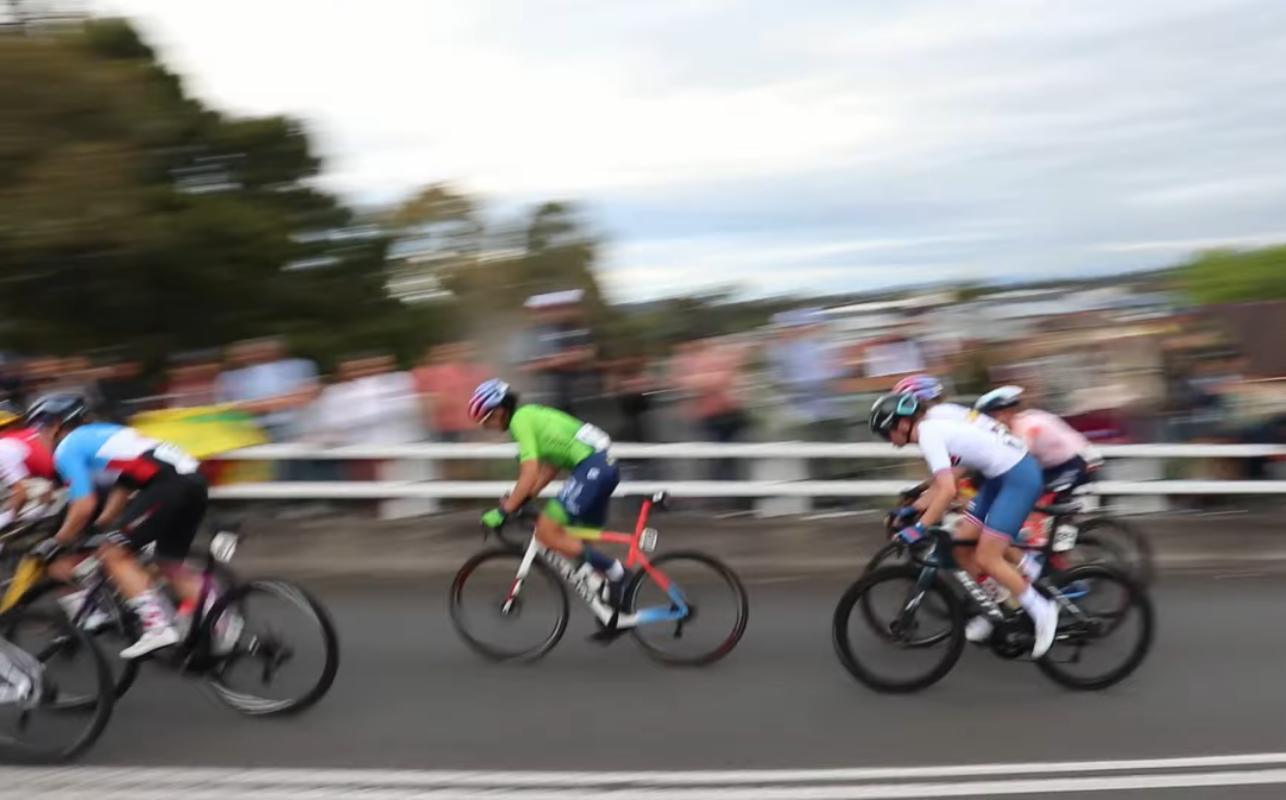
(584, 500)
(969, 528)
(174, 543)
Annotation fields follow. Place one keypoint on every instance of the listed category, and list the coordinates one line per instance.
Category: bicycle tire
(725, 646)
(843, 643)
(251, 705)
(99, 710)
(124, 671)
(1137, 598)
(888, 552)
(485, 649)
(1129, 543)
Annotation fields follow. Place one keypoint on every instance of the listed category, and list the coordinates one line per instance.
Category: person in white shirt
(1012, 483)
(1066, 456)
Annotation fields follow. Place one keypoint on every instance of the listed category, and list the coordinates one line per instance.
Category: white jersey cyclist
(979, 444)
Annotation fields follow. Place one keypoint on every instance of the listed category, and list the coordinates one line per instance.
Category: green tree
(1227, 276)
(132, 214)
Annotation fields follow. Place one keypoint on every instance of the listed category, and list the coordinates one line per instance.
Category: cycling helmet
(999, 399)
(487, 398)
(9, 413)
(889, 408)
(924, 387)
(63, 408)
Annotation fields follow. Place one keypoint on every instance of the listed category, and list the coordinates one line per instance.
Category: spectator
(632, 386)
(192, 379)
(372, 402)
(444, 383)
(121, 386)
(558, 349)
(709, 375)
(807, 372)
(265, 382)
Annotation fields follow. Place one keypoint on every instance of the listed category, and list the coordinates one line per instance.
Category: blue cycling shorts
(1003, 502)
(586, 493)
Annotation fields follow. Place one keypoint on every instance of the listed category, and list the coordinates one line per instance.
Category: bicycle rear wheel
(258, 629)
(72, 697)
(715, 599)
(908, 634)
(1111, 638)
(531, 624)
(1130, 549)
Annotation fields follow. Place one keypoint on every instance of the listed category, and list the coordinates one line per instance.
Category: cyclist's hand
(46, 550)
(912, 533)
(494, 519)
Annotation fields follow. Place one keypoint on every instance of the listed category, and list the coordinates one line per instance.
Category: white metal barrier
(795, 452)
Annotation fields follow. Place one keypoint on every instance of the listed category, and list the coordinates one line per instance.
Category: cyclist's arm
(527, 487)
(115, 504)
(942, 491)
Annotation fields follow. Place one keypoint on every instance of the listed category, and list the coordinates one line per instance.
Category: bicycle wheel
(911, 649)
(525, 630)
(1109, 639)
(716, 602)
(72, 698)
(890, 553)
(115, 635)
(1129, 546)
(257, 630)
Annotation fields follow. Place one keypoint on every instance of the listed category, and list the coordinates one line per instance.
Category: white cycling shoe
(1046, 622)
(150, 641)
(979, 629)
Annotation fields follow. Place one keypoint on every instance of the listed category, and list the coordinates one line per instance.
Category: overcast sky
(809, 145)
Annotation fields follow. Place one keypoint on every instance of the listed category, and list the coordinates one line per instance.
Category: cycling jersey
(554, 437)
(1051, 440)
(981, 444)
(100, 453)
(23, 456)
(950, 411)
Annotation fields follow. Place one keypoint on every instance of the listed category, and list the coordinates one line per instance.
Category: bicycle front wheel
(113, 632)
(908, 633)
(716, 603)
(68, 703)
(523, 627)
(1110, 637)
(274, 647)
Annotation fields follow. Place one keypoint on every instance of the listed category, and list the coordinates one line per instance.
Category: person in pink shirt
(445, 383)
(1064, 454)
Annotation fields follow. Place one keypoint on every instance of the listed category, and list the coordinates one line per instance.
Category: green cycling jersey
(554, 437)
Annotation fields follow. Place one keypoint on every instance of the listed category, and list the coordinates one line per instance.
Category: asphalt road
(411, 696)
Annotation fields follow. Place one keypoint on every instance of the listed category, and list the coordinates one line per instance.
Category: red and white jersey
(23, 456)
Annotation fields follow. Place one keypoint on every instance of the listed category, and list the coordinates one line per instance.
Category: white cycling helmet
(999, 399)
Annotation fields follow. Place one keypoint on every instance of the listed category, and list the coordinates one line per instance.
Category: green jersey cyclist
(550, 442)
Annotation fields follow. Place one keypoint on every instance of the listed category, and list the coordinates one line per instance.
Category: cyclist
(1066, 456)
(1011, 486)
(156, 496)
(550, 441)
(23, 456)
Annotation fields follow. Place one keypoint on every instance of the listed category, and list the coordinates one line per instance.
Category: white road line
(888, 791)
(155, 776)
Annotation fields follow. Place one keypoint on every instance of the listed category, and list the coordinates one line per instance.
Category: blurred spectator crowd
(1118, 371)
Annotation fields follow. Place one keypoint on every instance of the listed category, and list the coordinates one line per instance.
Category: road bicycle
(682, 607)
(239, 639)
(910, 629)
(55, 687)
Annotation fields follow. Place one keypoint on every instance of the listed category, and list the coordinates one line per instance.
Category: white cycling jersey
(980, 444)
(949, 411)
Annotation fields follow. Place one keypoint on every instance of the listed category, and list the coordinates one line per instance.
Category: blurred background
(336, 224)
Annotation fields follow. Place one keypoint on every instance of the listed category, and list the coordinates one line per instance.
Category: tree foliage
(131, 214)
(1226, 276)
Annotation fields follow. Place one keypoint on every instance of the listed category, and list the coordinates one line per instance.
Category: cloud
(1002, 139)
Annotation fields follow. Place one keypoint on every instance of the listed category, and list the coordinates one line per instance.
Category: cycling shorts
(586, 493)
(1003, 502)
(1065, 477)
(168, 510)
